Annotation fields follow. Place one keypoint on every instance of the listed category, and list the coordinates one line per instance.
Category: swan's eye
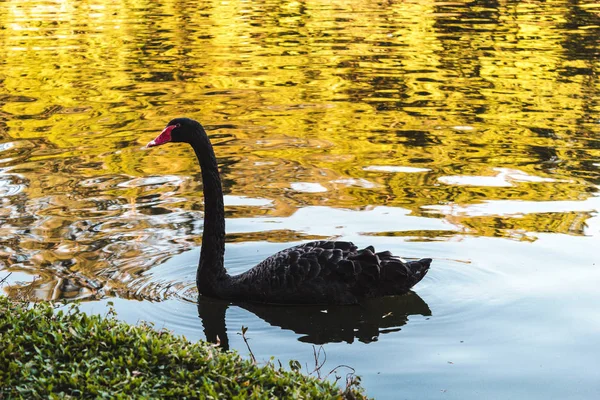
(177, 125)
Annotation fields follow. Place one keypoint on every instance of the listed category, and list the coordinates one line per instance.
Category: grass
(64, 353)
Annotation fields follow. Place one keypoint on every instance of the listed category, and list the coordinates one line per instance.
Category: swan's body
(325, 272)
(322, 272)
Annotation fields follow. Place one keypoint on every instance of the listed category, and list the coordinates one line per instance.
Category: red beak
(164, 137)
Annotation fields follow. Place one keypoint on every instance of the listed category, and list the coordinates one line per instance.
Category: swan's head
(178, 130)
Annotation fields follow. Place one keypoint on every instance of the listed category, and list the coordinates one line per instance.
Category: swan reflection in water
(319, 324)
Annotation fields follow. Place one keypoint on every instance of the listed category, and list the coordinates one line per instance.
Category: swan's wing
(330, 272)
(300, 263)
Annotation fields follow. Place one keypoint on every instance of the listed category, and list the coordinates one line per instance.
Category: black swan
(321, 272)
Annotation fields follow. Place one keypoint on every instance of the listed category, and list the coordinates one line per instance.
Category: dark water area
(468, 132)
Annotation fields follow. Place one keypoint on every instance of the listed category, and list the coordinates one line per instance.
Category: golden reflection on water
(345, 105)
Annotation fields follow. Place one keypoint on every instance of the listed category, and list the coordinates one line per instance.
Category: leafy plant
(47, 352)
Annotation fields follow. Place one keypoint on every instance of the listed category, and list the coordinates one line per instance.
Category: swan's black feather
(325, 272)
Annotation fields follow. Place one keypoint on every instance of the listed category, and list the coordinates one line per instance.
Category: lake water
(468, 132)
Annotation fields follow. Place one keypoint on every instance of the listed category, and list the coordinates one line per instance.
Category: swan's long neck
(211, 270)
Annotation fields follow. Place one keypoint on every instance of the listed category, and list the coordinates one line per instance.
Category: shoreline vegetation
(47, 352)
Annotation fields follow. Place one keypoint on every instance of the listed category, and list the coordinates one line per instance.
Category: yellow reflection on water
(346, 105)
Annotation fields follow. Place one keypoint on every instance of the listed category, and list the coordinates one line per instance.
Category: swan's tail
(398, 276)
(418, 269)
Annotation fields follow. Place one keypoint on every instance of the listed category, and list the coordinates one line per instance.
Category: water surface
(464, 131)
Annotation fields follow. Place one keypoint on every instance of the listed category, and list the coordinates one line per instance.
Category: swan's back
(325, 272)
